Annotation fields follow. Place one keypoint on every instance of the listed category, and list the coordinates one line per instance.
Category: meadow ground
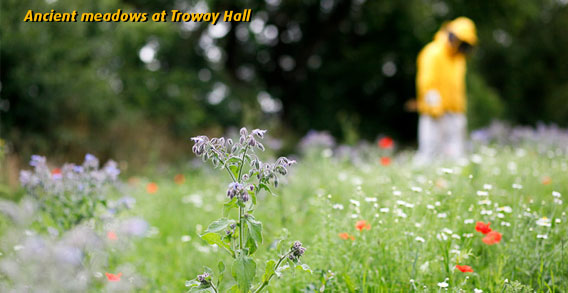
(419, 223)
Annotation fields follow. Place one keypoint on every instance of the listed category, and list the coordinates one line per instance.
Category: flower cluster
(225, 153)
(238, 190)
(316, 140)
(296, 251)
(203, 278)
(71, 193)
(547, 136)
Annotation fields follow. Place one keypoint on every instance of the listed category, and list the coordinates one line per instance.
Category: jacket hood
(464, 29)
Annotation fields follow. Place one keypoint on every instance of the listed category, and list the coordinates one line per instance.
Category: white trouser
(442, 137)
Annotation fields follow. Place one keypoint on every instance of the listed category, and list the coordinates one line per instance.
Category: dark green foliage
(79, 86)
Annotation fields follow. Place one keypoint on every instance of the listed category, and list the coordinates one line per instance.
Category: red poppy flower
(482, 227)
(113, 277)
(111, 235)
(546, 180)
(464, 268)
(385, 161)
(179, 179)
(386, 143)
(346, 236)
(492, 237)
(360, 225)
(56, 173)
(152, 188)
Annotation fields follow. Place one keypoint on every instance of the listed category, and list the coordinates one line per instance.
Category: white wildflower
(416, 189)
(482, 193)
(545, 222)
(484, 202)
(355, 202)
(447, 231)
(338, 206)
(517, 186)
(486, 212)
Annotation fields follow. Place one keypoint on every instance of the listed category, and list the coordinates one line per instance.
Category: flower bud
(202, 278)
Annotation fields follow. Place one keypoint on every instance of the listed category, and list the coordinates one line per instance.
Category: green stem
(241, 209)
(265, 283)
(213, 286)
(242, 163)
(241, 224)
(227, 168)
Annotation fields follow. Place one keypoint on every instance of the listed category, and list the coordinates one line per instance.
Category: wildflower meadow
(330, 218)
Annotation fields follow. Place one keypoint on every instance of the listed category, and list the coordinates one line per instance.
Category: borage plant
(241, 237)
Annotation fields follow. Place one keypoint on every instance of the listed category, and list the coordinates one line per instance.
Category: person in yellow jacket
(440, 83)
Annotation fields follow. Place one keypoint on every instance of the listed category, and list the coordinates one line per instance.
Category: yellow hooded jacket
(442, 68)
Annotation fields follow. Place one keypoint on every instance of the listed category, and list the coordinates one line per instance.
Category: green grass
(386, 258)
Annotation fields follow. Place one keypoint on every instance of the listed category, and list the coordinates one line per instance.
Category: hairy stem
(241, 224)
(265, 283)
(242, 163)
(241, 209)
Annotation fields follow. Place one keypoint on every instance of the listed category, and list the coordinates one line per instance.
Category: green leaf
(229, 205)
(208, 270)
(244, 269)
(281, 269)
(192, 283)
(251, 244)
(196, 286)
(221, 267)
(269, 270)
(265, 187)
(202, 289)
(214, 238)
(235, 170)
(255, 229)
(234, 289)
(219, 225)
(252, 195)
(304, 267)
